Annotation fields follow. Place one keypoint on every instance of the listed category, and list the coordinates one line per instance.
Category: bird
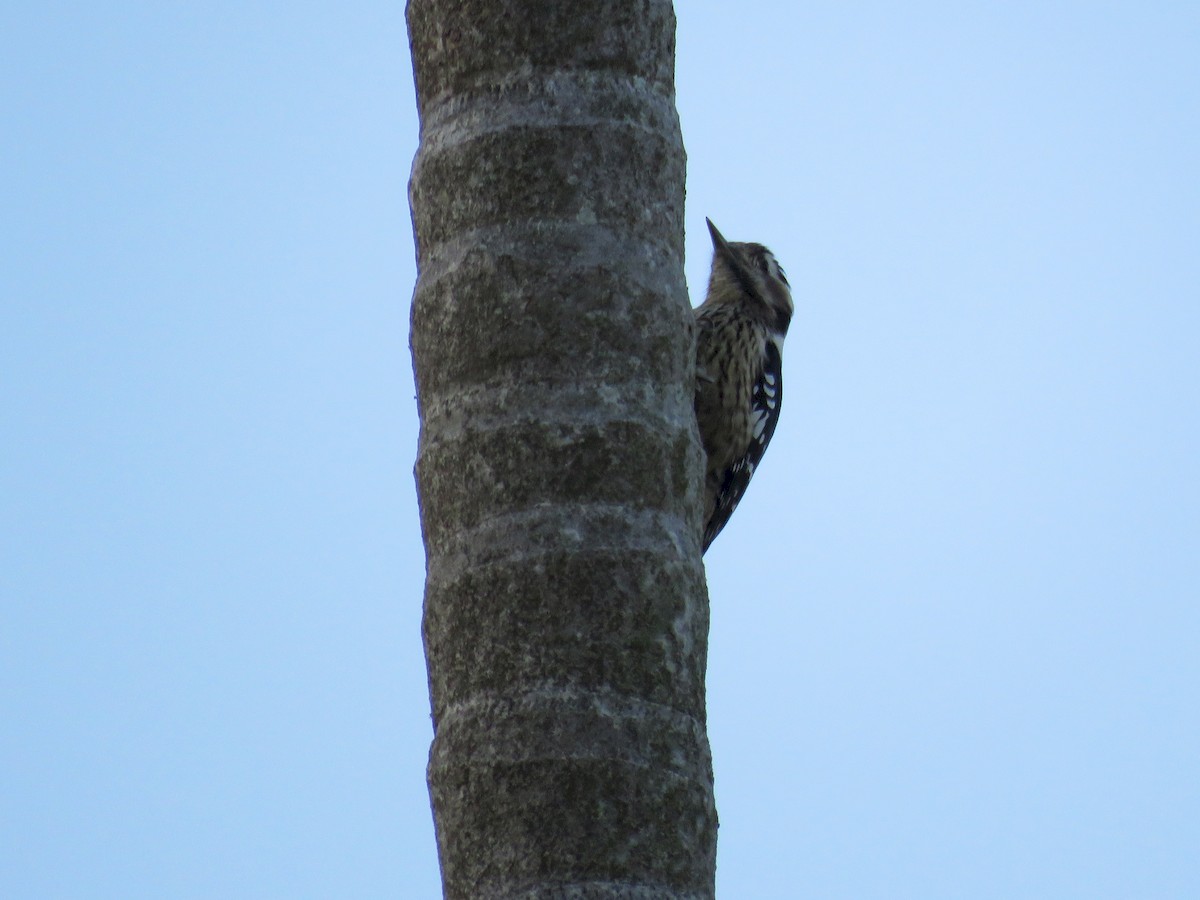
(740, 328)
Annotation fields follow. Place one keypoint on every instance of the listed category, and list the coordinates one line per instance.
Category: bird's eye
(773, 268)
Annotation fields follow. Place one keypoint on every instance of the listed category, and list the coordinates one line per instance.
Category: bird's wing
(766, 400)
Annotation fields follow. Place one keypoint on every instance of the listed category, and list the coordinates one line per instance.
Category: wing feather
(766, 399)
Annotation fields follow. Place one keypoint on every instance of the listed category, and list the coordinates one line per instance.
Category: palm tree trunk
(559, 469)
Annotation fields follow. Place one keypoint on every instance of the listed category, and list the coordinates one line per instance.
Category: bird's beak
(733, 263)
(719, 242)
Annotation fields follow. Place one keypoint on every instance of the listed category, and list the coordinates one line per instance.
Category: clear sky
(956, 621)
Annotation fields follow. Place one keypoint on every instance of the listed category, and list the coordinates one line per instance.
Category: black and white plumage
(740, 329)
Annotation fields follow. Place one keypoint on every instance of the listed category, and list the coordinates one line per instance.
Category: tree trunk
(559, 469)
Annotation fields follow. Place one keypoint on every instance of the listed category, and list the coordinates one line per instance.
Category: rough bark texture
(559, 470)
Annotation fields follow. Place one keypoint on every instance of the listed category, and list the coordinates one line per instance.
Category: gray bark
(559, 469)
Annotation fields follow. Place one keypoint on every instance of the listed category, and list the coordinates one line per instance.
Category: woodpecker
(740, 328)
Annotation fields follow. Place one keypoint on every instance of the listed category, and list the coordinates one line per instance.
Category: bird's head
(750, 270)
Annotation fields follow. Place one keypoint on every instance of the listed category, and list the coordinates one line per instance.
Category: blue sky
(955, 620)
